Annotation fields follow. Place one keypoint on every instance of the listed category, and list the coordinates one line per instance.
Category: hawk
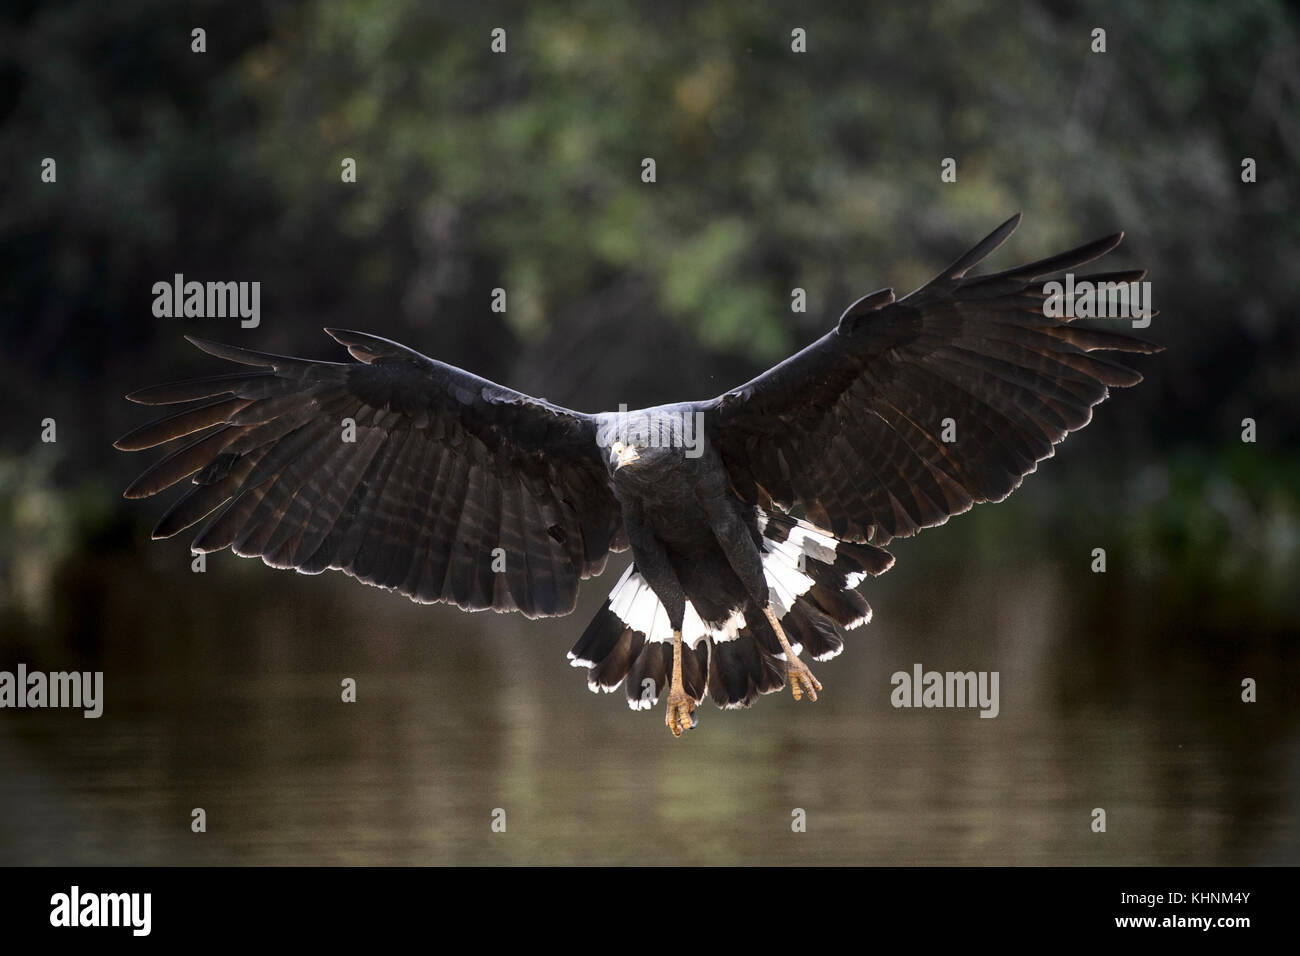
(752, 517)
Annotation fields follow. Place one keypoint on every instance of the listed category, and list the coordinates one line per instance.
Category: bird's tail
(631, 639)
(811, 577)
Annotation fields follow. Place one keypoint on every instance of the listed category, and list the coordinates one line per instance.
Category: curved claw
(680, 714)
(802, 680)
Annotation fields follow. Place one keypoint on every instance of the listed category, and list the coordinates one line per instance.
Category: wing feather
(442, 468)
(851, 429)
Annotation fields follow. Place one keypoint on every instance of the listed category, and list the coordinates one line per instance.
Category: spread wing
(402, 471)
(852, 428)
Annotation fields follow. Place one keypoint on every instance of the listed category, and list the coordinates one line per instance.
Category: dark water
(223, 692)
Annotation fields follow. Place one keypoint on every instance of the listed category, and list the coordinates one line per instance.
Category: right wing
(448, 476)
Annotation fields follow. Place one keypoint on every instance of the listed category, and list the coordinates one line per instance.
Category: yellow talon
(801, 677)
(680, 713)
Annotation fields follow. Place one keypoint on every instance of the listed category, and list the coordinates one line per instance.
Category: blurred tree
(521, 170)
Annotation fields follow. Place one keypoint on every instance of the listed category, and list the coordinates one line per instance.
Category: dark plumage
(413, 475)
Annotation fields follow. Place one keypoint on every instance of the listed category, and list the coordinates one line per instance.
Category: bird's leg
(801, 678)
(681, 708)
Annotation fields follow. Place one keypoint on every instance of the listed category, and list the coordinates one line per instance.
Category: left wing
(850, 429)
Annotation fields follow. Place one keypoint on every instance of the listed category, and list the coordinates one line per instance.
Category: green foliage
(775, 170)
(772, 166)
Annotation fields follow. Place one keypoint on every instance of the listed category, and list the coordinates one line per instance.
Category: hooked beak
(622, 454)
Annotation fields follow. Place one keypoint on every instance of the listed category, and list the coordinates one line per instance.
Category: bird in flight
(751, 517)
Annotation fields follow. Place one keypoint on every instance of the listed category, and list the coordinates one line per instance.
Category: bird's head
(642, 465)
(621, 455)
(648, 445)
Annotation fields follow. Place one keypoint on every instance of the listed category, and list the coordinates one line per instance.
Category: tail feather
(742, 669)
(811, 577)
(807, 565)
(812, 631)
(609, 673)
(598, 640)
(847, 608)
(630, 639)
(649, 675)
(816, 555)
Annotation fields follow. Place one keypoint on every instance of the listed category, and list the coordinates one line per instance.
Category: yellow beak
(623, 454)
